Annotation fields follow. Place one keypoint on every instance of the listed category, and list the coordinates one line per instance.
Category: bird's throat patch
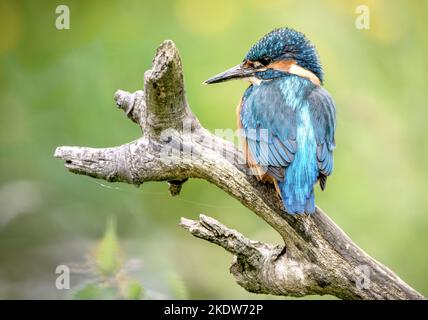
(254, 80)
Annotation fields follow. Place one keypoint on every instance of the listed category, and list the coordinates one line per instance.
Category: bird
(286, 118)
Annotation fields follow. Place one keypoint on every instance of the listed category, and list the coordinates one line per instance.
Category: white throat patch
(254, 80)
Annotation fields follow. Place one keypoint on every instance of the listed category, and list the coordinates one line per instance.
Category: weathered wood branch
(317, 257)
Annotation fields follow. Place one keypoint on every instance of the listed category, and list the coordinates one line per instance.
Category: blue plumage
(288, 119)
(294, 114)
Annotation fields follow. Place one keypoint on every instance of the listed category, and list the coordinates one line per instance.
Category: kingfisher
(287, 119)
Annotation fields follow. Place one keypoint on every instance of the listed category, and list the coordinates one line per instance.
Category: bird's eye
(265, 61)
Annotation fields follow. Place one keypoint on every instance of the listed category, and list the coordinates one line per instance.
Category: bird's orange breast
(256, 169)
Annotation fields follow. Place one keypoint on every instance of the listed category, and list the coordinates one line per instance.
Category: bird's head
(282, 51)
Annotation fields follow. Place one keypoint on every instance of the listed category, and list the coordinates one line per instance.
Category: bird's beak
(237, 72)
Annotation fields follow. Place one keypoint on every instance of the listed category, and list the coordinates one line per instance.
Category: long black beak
(236, 72)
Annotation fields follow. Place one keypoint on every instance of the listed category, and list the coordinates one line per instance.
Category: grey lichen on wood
(317, 257)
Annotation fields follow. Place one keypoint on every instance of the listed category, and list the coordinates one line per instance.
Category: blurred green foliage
(107, 253)
(56, 88)
(106, 266)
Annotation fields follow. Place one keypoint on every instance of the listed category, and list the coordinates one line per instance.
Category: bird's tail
(297, 200)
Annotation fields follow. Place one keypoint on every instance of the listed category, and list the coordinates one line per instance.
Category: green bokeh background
(57, 86)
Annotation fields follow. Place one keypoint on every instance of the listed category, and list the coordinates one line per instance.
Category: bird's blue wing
(323, 118)
(269, 127)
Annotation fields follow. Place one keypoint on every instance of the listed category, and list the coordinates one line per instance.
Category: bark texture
(317, 257)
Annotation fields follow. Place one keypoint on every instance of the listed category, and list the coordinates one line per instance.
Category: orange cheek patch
(283, 65)
(292, 67)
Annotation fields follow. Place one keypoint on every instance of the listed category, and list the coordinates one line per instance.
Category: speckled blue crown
(285, 44)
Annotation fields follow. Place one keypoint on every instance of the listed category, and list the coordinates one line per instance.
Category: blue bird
(287, 118)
